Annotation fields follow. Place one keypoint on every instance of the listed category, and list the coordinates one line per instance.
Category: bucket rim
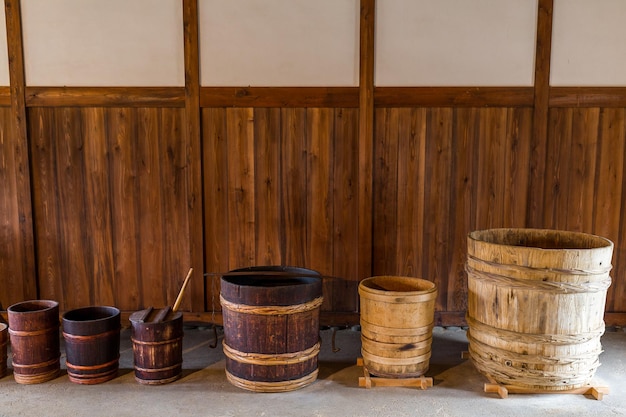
(46, 305)
(363, 285)
(600, 242)
(112, 312)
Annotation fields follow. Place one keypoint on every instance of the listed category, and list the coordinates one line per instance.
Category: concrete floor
(204, 390)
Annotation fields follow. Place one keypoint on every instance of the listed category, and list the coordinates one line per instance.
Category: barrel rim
(363, 286)
(112, 313)
(292, 275)
(46, 305)
(480, 236)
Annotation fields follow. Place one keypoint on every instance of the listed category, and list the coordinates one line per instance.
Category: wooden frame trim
(279, 97)
(5, 96)
(540, 114)
(366, 138)
(454, 96)
(105, 96)
(15, 49)
(588, 97)
(194, 150)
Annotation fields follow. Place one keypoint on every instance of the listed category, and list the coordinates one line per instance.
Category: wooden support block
(503, 391)
(465, 354)
(368, 380)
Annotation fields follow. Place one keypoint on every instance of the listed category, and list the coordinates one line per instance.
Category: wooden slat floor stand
(503, 391)
(597, 392)
(368, 381)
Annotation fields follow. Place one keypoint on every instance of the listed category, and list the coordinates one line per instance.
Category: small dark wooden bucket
(271, 327)
(34, 334)
(4, 338)
(157, 347)
(92, 344)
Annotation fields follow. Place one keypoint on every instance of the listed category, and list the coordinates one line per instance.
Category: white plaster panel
(279, 42)
(103, 42)
(455, 42)
(4, 58)
(588, 43)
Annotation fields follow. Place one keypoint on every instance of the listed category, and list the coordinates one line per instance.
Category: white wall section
(589, 43)
(279, 42)
(103, 42)
(455, 42)
(4, 58)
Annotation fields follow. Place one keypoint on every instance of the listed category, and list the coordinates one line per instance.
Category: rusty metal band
(271, 359)
(92, 367)
(86, 339)
(280, 386)
(271, 310)
(163, 342)
(27, 333)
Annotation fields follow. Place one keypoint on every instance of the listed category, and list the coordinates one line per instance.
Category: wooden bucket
(4, 339)
(157, 347)
(92, 344)
(271, 327)
(35, 345)
(397, 315)
(536, 305)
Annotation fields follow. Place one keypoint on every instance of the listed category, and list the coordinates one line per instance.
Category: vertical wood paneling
(320, 184)
(345, 204)
(98, 216)
(556, 182)
(609, 189)
(241, 199)
(517, 161)
(293, 182)
(267, 186)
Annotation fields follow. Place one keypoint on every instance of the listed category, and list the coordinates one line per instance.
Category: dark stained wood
(517, 160)
(192, 163)
(19, 263)
(587, 97)
(279, 97)
(539, 137)
(365, 192)
(453, 97)
(105, 96)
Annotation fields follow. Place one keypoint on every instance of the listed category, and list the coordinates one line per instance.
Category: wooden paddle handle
(182, 290)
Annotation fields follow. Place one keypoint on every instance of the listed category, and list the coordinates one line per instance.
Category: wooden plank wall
(111, 194)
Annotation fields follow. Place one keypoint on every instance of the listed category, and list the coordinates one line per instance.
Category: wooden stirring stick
(182, 290)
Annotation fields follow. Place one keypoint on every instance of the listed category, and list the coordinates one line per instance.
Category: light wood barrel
(397, 315)
(536, 305)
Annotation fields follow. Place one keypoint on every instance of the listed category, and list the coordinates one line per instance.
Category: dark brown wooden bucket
(34, 334)
(92, 344)
(271, 327)
(4, 338)
(157, 347)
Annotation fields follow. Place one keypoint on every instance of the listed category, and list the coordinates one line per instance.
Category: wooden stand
(368, 380)
(504, 390)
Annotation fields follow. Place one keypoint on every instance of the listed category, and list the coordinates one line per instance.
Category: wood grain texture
(5, 97)
(453, 97)
(587, 97)
(16, 171)
(105, 96)
(110, 188)
(283, 97)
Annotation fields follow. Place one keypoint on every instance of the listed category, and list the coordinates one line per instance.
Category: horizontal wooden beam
(5, 96)
(105, 96)
(453, 96)
(587, 97)
(279, 97)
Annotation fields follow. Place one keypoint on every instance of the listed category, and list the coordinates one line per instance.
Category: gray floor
(204, 390)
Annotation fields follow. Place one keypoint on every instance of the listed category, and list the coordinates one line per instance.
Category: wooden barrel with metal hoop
(271, 327)
(35, 345)
(92, 344)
